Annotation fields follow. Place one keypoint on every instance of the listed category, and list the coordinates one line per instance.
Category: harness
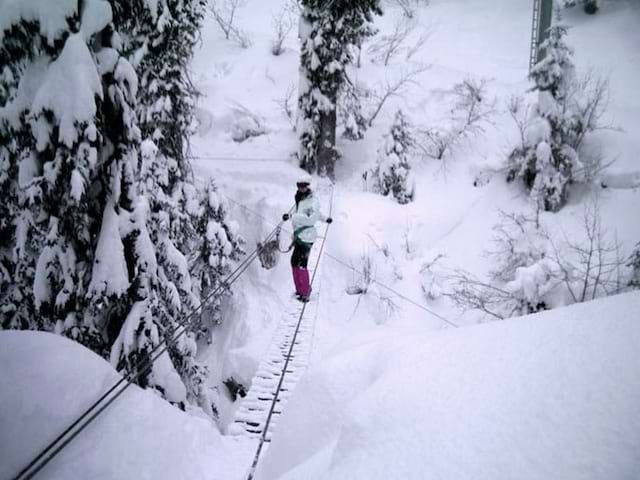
(296, 237)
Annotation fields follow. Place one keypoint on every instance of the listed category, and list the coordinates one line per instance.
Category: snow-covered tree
(163, 35)
(54, 114)
(102, 212)
(21, 41)
(546, 161)
(328, 31)
(392, 172)
(523, 277)
(351, 113)
(590, 6)
(220, 245)
(160, 45)
(8, 185)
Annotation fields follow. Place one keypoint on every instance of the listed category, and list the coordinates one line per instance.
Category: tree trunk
(327, 153)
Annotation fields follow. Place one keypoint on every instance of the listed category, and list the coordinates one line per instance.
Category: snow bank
(552, 395)
(46, 380)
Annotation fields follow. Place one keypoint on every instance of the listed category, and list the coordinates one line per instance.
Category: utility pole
(541, 22)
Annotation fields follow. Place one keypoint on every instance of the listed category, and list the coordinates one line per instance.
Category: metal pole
(546, 14)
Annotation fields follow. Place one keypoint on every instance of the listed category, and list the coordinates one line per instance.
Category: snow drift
(552, 395)
(46, 381)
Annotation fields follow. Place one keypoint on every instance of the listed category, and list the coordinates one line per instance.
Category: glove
(285, 217)
(329, 219)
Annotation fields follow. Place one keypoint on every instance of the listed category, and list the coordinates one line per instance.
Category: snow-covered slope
(552, 395)
(46, 381)
(450, 215)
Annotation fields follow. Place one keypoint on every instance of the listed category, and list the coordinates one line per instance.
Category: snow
(51, 16)
(137, 221)
(69, 89)
(152, 6)
(77, 185)
(27, 89)
(41, 285)
(28, 170)
(178, 261)
(125, 72)
(127, 336)
(46, 381)
(164, 374)
(532, 281)
(543, 152)
(107, 58)
(110, 275)
(96, 16)
(393, 391)
(553, 395)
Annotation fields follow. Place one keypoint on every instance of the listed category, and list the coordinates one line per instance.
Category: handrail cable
(239, 159)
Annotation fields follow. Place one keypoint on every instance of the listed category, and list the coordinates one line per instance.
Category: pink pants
(301, 281)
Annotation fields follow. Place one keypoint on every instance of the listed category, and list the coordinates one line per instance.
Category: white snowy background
(392, 391)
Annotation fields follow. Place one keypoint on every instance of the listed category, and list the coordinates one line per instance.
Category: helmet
(304, 179)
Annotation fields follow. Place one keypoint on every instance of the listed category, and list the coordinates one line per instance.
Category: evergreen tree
(8, 185)
(102, 211)
(217, 242)
(52, 114)
(350, 112)
(162, 38)
(546, 161)
(21, 42)
(329, 30)
(392, 172)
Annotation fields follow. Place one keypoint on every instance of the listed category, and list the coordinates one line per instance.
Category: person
(303, 219)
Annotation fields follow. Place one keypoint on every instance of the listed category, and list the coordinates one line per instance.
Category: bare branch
(286, 105)
(367, 275)
(388, 46)
(591, 97)
(282, 24)
(592, 267)
(408, 6)
(533, 268)
(470, 293)
(418, 45)
(471, 112)
(383, 92)
(224, 13)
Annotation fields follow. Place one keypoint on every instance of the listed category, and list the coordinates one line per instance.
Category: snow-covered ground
(552, 395)
(141, 436)
(450, 216)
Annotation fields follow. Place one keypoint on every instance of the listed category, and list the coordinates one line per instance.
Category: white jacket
(304, 219)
